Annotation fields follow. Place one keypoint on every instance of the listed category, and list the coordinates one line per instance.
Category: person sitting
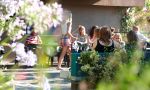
(33, 41)
(82, 38)
(118, 38)
(27, 58)
(140, 36)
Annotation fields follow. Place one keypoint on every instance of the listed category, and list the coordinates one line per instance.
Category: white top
(82, 39)
(141, 37)
(116, 44)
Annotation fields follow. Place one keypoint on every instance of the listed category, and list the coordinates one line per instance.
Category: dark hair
(135, 28)
(33, 33)
(105, 35)
(132, 37)
(92, 30)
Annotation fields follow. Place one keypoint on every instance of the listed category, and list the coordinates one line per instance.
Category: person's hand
(69, 23)
(74, 39)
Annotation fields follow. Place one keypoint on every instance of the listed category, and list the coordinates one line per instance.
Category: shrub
(98, 67)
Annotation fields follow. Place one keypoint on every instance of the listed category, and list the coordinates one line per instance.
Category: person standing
(132, 46)
(140, 36)
(65, 42)
(144, 41)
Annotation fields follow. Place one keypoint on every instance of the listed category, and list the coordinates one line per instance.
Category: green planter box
(76, 73)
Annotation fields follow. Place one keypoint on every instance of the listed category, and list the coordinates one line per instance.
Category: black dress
(101, 49)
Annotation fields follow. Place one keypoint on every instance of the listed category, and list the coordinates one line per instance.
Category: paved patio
(28, 79)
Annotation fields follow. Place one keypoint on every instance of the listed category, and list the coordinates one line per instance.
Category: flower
(31, 11)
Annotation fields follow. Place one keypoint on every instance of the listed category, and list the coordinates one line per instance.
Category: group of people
(101, 39)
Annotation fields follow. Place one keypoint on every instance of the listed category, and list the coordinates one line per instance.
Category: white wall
(95, 15)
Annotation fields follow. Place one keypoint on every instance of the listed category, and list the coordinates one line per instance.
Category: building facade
(98, 12)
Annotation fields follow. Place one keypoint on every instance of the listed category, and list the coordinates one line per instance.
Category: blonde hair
(80, 28)
(119, 35)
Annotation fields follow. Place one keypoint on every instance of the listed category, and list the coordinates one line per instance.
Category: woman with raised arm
(65, 43)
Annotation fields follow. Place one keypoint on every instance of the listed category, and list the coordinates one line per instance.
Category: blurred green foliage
(49, 44)
(46, 50)
(115, 71)
(126, 22)
(5, 81)
(99, 67)
(133, 75)
(129, 77)
(139, 16)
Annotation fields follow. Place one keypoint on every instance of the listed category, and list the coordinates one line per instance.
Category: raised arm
(69, 28)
